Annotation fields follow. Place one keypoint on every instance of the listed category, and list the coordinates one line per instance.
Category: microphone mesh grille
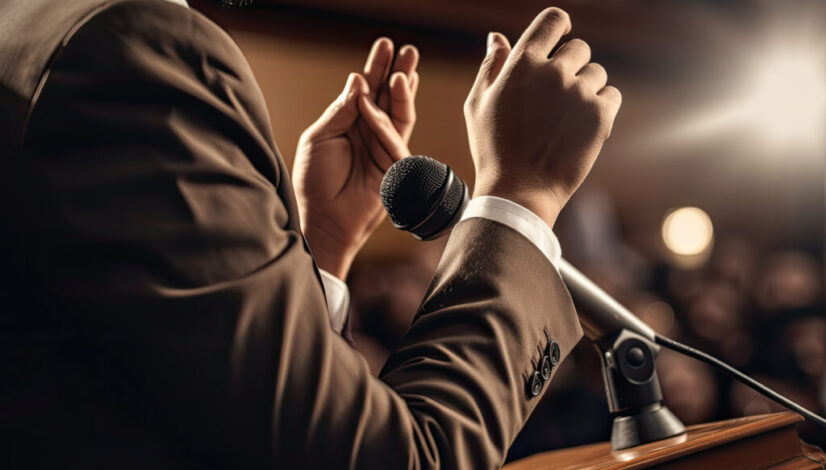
(410, 187)
(454, 197)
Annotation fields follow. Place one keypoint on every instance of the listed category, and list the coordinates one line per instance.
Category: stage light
(780, 105)
(786, 102)
(687, 232)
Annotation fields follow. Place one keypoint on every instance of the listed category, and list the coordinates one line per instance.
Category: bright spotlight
(787, 101)
(687, 231)
(782, 103)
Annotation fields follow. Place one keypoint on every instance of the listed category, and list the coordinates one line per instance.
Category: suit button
(554, 352)
(545, 368)
(536, 384)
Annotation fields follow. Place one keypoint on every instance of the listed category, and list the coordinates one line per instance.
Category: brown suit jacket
(160, 309)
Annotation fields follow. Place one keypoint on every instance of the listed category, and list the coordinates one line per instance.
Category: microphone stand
(628, 347)
(632, 388)
(628, 355)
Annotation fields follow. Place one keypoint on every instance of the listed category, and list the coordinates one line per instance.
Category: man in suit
(161, 306)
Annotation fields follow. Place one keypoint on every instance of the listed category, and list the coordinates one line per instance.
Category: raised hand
(537, 123)
(342, 157)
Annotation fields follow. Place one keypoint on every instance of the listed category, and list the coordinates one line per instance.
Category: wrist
(330, 252)
(545, 203)
(328, 255)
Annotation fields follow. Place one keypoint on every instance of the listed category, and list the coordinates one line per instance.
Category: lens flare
(787, 100)
(687, 231)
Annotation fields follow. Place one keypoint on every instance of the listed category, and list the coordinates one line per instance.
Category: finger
(402, 106)
(343, 112)
(499, 48)
(592, 77)
(613, 97)
(414, 85)
(544, 33)
(382, 126)
(497, 54)
(572, 56)
(378, 64)
(406, 60)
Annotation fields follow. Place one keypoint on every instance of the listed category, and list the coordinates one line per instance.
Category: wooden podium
(754, 442)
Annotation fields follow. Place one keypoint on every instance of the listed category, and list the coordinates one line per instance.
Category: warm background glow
(687, 231)
(723, 109)
(787, 100)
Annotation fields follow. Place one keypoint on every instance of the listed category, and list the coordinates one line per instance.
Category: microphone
(425, 197)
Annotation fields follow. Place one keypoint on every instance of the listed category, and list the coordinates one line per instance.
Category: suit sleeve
(168, 244)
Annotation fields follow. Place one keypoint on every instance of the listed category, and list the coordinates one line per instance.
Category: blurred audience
(761, 310)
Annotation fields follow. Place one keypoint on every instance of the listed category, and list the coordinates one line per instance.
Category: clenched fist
(537, 123)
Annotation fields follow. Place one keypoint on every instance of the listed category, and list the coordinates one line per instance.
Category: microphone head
(423, 196)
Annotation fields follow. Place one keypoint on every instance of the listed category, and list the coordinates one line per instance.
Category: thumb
(343, 112)
(497, 53)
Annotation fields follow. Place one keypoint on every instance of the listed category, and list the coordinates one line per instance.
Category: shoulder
(161, 22)
(142, 32)
(135, 50)
(142, 64)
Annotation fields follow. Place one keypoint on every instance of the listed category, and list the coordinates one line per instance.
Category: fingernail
(491, 39)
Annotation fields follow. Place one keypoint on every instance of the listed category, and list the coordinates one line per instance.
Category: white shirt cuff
(519, 218)
(338, 300)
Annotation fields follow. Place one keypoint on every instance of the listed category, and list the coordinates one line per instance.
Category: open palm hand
(342, 157)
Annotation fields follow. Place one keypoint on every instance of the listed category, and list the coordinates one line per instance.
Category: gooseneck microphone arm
(628, 353)
(610, 317)
(628, 347)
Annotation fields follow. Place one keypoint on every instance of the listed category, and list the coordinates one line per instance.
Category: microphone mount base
(633, 391)
(652, 424)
